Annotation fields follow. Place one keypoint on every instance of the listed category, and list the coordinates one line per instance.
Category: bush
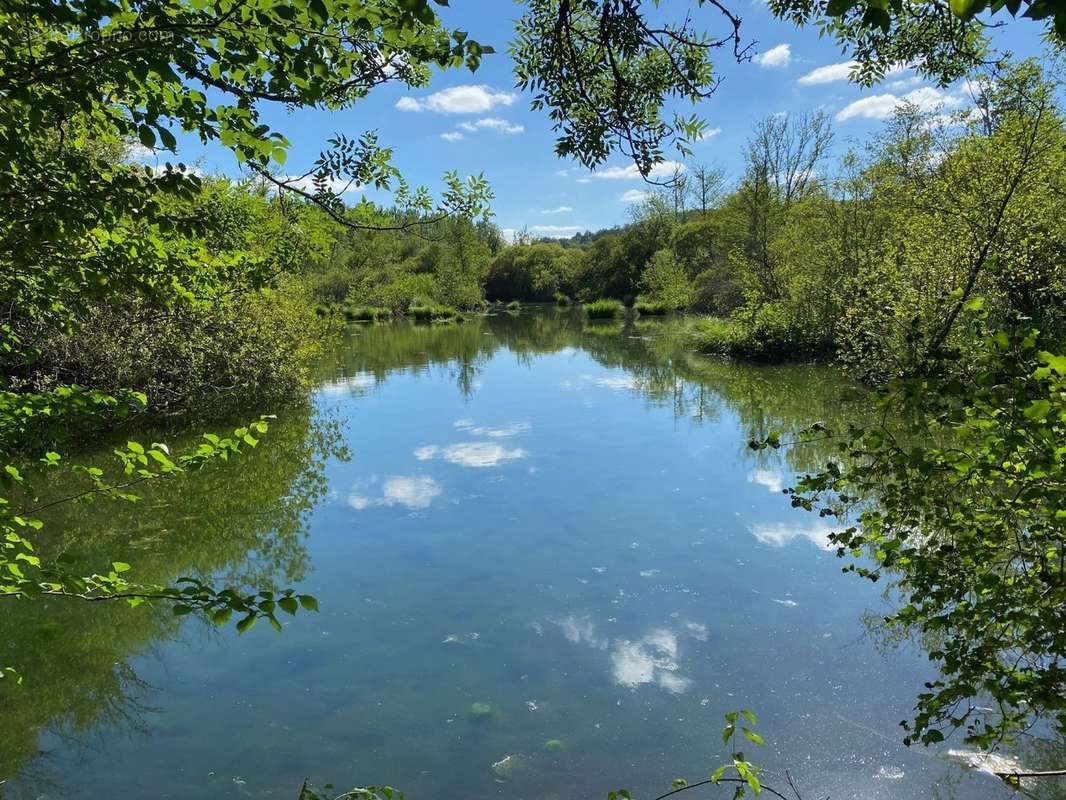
(432, 312)
(330, 288)
(650, 308)
(253, 349)
(770, 334)
(514, 305)
(561, 300)
(365, 313)
(604, 309)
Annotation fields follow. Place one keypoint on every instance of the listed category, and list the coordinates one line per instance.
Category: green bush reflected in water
(243, 522)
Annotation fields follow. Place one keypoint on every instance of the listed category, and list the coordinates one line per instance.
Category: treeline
(221, 301)
(871, 259)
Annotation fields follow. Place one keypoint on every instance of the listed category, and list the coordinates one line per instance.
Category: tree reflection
(243, 522)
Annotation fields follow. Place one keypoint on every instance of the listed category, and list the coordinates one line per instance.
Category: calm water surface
(557, 520)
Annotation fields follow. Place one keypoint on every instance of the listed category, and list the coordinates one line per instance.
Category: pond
(546, 562)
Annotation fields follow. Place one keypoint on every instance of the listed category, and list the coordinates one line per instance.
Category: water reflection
(415, 492)
(243, 523)
(779, 534)
(471, 454)
(651, 660)
(667, 578)
(502, 432)
(772, 479)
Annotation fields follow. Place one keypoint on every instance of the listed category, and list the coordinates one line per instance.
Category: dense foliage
(869, 261)
(958, 501)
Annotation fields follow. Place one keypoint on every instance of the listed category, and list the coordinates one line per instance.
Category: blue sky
(480, 123)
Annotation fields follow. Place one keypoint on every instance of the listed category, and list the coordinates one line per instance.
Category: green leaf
(146, 135)
(752, 736)
(288, 604)
(1038, 410)
(308, 602)
(222, 615)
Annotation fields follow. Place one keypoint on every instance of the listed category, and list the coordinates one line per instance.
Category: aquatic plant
(604, 309)
(648, 307)
(365, 313)
(426, 312)
(481, 709)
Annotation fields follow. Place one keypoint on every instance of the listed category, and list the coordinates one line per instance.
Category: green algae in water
(554, 746)
(481, 710)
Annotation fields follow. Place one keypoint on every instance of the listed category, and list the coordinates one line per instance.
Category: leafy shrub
(199, 358)
(770, 334)
(604, 309)
(649, 308)
(514, 305)
(561, 300)
(330, 288)
(366, 313)
(665, 278)
(432, 312)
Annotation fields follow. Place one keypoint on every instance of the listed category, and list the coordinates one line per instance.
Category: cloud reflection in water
(411, 491)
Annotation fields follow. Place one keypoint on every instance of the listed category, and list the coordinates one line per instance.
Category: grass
(365, 313)
(604, 309)
(432, 312)
(651, 308)
(767, 338)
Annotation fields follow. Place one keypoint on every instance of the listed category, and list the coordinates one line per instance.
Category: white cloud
(469, 99)
(584, 180)
(559, 210)
(581, 630)
(502, 432)
(664, 169)
(413, 492)
(634, 196)
(618, 384)
(709, 133)
(491, 123)
(905, 83)
(471, 454)
(562, 173)
(135, 151)
(882, 106)
(556, 231)
(652, 660)
(829, 73)
(779, 534)
(772, 479)
(355, 384)
(779, 56)
(451, 136)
